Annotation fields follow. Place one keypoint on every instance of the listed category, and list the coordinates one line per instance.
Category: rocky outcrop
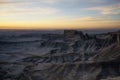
(69, 56)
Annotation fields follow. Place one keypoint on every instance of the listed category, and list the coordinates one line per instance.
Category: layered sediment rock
(72, 56)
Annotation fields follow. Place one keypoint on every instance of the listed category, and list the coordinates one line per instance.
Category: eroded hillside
(73, 55)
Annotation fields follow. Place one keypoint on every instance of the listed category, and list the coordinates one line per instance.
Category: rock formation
(68, 56)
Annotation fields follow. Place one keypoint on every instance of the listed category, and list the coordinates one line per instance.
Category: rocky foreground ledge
(69, 56)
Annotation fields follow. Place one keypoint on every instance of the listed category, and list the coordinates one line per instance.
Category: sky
(59, 14)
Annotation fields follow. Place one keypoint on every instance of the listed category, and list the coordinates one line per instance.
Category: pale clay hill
(72, 55)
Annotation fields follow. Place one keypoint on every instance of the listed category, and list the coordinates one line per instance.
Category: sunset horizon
(59, 39)
(59, 14)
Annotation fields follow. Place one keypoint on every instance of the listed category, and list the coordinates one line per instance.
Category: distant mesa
(74, 34)
(70, 33)
(78, 35)
(117, 35)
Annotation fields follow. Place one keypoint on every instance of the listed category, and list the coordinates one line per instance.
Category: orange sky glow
(54, 14)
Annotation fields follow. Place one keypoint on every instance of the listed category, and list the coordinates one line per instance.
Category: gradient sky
(59, 14)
